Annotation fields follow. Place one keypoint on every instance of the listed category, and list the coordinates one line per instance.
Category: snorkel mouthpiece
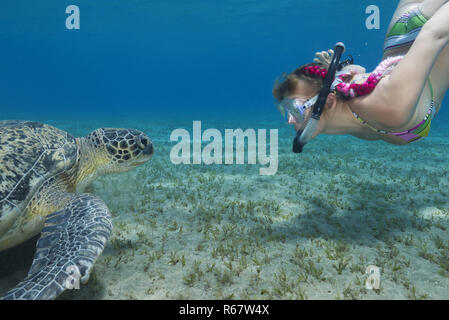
(297, 146)
(304, 136)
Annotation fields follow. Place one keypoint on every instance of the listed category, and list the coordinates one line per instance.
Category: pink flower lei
(315, 71)
(353, 89)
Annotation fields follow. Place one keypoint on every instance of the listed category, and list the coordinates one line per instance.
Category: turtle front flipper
(70, 242)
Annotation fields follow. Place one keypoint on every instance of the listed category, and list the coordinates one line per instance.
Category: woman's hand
(353, 69)
(324, 57)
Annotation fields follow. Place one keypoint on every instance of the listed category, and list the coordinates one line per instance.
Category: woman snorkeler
(397, 101)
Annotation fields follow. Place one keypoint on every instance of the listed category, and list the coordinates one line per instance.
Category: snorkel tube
(304, 136)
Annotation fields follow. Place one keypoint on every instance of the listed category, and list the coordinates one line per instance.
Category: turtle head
(118, 150)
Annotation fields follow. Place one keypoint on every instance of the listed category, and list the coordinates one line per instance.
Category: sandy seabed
(308, 232)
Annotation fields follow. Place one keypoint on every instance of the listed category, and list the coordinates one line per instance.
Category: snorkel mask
(295, 107)
(304, 136)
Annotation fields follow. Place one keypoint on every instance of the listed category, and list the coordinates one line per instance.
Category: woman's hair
(313, 73)
(287, 83)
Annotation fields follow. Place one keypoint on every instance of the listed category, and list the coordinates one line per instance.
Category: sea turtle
(43, 172)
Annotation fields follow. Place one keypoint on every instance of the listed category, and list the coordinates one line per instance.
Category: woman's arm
(393, 102)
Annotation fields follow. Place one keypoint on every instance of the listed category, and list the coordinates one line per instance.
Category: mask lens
(295, 107)
(282, 109)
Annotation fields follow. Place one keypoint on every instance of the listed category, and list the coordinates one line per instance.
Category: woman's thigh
(440, 71)
(427, 8)
(403, 7)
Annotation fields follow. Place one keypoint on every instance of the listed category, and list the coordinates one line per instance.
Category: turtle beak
(149, 149)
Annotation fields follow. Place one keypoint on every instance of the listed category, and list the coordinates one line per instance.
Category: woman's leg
(403, 6)
(427, 8)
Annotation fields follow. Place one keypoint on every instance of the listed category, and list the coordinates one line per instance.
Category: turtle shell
(30, 153)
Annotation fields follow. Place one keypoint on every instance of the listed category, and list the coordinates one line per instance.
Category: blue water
(189, 58)
(159, 65)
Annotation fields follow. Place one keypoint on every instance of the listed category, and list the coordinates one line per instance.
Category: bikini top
(416, 133)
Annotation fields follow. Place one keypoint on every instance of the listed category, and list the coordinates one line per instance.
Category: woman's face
(303, 92)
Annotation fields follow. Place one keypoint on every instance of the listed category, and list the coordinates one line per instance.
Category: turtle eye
(142, 142)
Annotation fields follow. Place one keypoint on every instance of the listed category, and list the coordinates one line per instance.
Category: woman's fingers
(328, 55)
(323, 56)
(320, 55)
